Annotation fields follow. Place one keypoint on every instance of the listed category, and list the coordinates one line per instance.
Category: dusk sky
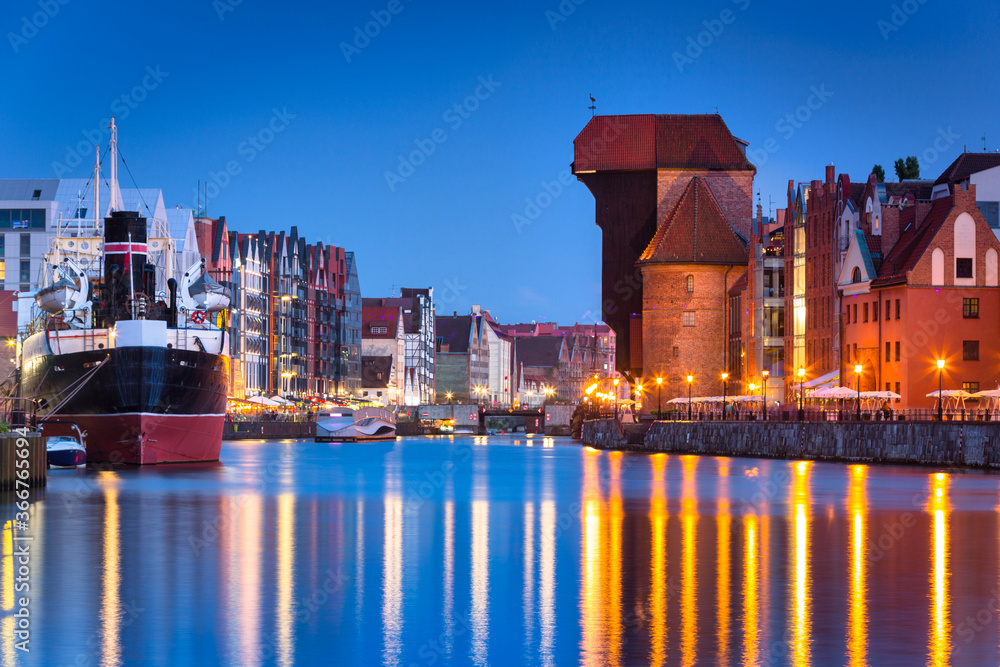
(212, 75)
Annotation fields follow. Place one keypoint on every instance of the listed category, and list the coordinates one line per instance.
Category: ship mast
(98, 216)
(116, 199)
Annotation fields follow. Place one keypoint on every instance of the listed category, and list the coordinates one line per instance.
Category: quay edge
(962, 444)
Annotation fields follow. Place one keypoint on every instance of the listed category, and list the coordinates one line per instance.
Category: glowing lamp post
(725, 381)
(763, 391)
(802, 410)
(659, 386)
(615, 383)
(857, 371)
(690, 380)
(940, 365)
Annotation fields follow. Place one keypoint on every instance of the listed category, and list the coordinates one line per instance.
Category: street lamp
(725, 381)
(802, 410)
(940, 365)
(448, 396)
(690, 379)
(659, 386)
(763, 391)
(857, 370)
(615, 383)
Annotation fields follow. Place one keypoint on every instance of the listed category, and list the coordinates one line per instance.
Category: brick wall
(701, 348)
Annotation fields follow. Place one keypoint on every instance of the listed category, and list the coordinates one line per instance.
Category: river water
(507, 551)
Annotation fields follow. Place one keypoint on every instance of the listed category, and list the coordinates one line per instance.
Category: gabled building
(462, 358)
(418, 325)
(377, 380)
(932, 296)
(383, 335)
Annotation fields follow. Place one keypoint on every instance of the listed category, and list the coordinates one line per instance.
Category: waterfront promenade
(950, 443)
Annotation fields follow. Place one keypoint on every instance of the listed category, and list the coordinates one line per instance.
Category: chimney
(965, 195)
(831, 173)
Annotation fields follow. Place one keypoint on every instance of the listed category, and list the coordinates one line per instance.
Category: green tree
(879, 173)
(909, 168)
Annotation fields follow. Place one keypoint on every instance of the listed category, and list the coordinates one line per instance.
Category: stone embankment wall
(34, 472)
(973, 444)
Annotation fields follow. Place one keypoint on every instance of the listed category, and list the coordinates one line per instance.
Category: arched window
(965, 250)
(868, 213)
(937, 267)
(856, 275)
(991, 268)
(690, 284)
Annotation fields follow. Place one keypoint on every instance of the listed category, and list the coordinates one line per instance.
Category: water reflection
(724, 523)
(613, 559)
(392, 565)
(658, 562)
(286, 559)
(111, 608)
(547, 566)
(689, 563)
(480, 614)
(801, 627)
(751, 572)
(7, 595)
(590, 590)
(857, 509)
(939, 646)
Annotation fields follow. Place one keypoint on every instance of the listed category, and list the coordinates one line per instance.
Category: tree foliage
(908, 168)
(879, 173)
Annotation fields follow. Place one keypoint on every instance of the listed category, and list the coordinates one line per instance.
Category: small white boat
(347, 425)
(65, 452)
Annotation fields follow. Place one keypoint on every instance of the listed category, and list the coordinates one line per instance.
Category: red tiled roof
(636, 142)
(696, 232)
(379, 316)
(912, 244)
(967, 164)
(874, 243)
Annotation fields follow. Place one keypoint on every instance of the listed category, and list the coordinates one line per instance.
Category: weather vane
(593, 106)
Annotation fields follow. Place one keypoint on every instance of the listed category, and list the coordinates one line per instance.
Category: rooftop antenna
(984, 142)
(770, 207)
(593, 106)
(716, 111)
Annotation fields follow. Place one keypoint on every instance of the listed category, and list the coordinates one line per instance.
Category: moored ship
(145, 373)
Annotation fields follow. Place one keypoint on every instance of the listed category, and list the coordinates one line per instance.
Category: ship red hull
(148, 438)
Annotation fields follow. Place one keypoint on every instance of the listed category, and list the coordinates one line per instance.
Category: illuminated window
(970, 309)
(3, 270)
(690, 284)
(971, 387)
(689, 318)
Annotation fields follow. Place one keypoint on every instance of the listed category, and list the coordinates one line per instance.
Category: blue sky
(308, 133)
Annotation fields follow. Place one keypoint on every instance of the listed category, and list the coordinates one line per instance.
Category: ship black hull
(143, 405)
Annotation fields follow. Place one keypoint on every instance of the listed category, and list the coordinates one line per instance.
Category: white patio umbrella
(262, 400)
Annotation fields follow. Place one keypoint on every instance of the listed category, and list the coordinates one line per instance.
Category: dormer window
(36, 195)
(856, 275)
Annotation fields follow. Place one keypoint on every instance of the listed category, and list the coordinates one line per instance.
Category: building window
(854, 315)
(887, 387)
(690, 284)
(970, 350)
(864, 307)
(888, 351)
(888, 311)
(856, 275)
(677, 352)
(963, 267)
(689, 318)
(379, 330)
(36, 195)
(847, 354)
(3, 270)
(897, 387)
(970, 309)
(874, 311)
(25, 245)
(971, 387)
(897, 314)
(847, 315)
(25, 270)
(897, 350)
